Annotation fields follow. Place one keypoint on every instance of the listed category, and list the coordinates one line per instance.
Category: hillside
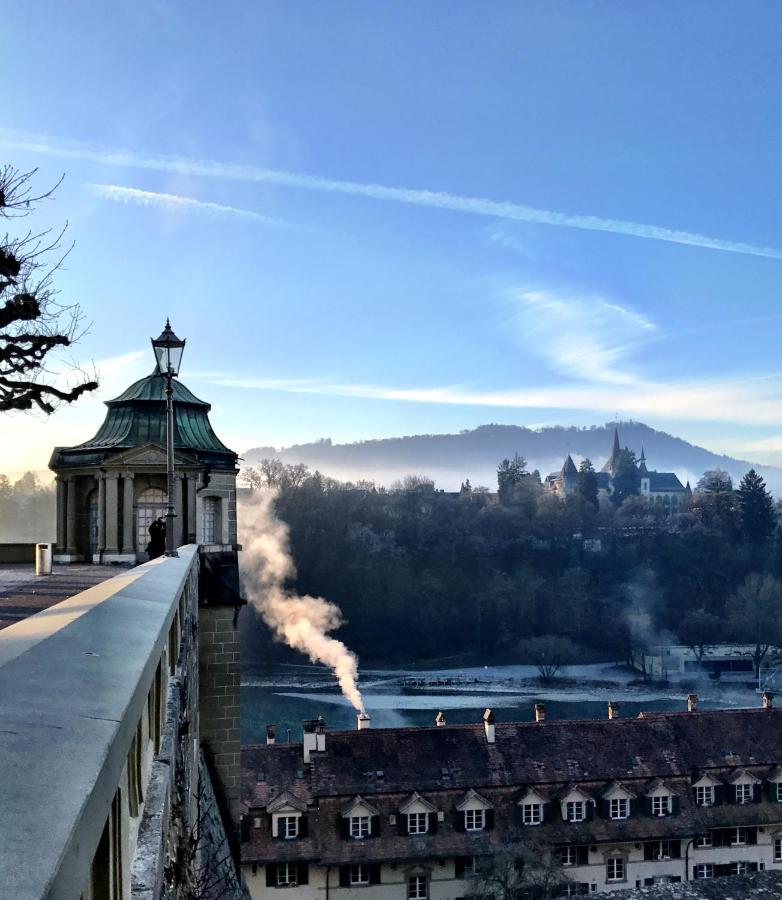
(450, 458)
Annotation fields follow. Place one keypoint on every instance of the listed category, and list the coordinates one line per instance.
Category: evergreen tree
(626, 478)
(510, 475)
(587, 483)
(757, 508)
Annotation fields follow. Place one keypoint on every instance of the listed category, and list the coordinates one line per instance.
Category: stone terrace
(23, 593)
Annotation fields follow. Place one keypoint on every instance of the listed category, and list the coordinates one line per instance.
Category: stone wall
(219, 687)
(760, 886)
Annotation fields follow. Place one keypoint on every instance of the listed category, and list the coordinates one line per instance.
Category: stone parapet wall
(759, 886)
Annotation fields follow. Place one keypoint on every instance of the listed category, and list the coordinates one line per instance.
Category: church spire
(610, 463)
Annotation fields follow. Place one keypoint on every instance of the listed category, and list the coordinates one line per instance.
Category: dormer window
(744, 793)
(661, 805)
(619, 808)
(575, 811)
(532, 813)
(417, 823)
(474, 820)
(776, 792)
(359, 826)
(704, 795)
(288, 827)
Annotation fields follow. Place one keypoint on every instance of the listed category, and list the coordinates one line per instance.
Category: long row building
(410, 813)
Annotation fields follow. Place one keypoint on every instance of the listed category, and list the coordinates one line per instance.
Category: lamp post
(168, 354)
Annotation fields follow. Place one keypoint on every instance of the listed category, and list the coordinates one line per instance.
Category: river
(286, 695)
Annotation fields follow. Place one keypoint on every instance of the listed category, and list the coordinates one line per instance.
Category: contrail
(302, 622)
(436, 199)
(119, 194)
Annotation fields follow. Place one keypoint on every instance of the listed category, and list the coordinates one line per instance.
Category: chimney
(540, 712)
(692, 702)
(440, 719)
(310, 738)
(768, 700)
(363, 721)
(320, 735)
(488, 726)
(613, 709)
(271, 734)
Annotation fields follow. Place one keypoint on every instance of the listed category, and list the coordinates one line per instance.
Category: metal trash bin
(43, 559)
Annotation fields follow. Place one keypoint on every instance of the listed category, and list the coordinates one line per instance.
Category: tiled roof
(442, 763)
(664, 481)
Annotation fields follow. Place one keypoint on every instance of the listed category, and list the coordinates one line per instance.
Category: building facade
(411, 813)
(113, 486)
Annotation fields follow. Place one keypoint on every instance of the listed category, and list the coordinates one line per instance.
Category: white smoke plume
(303, 623)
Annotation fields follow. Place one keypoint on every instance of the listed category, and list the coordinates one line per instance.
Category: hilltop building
(663, 489)
(411, 812)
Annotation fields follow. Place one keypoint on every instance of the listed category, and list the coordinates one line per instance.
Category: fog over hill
(450, 458)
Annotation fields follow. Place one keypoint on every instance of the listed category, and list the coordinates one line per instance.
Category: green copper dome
(138, 416)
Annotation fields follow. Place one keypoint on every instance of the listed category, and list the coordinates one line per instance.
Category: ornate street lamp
(168, 353)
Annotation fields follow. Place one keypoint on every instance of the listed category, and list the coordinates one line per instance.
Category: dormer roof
(656, 785)
(415, 799)
(357, 805)
(472, 796)
(742, 775)
(616, 787)
(286, 800)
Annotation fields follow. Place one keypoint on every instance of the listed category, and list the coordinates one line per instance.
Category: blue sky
(372, 219)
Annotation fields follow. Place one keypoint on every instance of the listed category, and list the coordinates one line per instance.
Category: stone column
(70, 517)
(111, 495)
(191, 508)
(96, 557)
(179, 510)
(61, 540)
(226, 537)
(128, 531)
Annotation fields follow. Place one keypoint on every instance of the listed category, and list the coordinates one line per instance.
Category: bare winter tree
(33, 321)
(520, 872)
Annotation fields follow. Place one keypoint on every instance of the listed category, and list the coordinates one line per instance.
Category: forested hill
(450, 458)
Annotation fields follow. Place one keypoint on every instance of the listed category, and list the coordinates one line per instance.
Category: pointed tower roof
(569, 469)
(642, 462)
(615, 451)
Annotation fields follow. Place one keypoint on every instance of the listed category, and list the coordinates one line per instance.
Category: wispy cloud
(756, 401)
(436, 199)
(579, 337)
(118, 194)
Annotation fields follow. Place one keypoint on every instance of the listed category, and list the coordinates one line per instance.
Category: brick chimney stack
(363, 721)
(692, 702)
(613, 709)
(540, 712)
(768, 700)
(440, 719)
(310, 738)
(320, 735)
(488, 726)
(271, 734)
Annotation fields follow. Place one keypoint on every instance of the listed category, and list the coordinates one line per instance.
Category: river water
(286, 695)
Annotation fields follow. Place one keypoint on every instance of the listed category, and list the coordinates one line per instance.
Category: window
(288, 827)
(703, 870)
(704, 795)
(703, 840)
(660, 850)
(417, 823)
(579, 889)
(576, 811)
(532, 813)
(210, 520)
(257, 822)
(150, 505)
(615, 869)
(738, 837)
(776, 792)
(619, 808)
(359, 826)
(359, 874)
(739, 868)
(568, 856)
(286, 874)
(416, 887)
(661, 806)
(473, 819)
(777, 849)
(744, 793)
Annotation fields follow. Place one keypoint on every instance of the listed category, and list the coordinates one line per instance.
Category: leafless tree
(33, 321)
(526, 871)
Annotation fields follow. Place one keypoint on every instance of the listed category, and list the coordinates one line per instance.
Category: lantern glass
(168, 351)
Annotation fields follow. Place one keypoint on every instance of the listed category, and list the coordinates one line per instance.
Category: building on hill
(411, 812)
(663, 489)
(113, 486)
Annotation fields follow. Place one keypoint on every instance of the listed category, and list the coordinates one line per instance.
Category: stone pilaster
(61, 523)
(96, 556)
(191, 509)
(128, 531)
(70, 523)
(111, 501)
(179, 510)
